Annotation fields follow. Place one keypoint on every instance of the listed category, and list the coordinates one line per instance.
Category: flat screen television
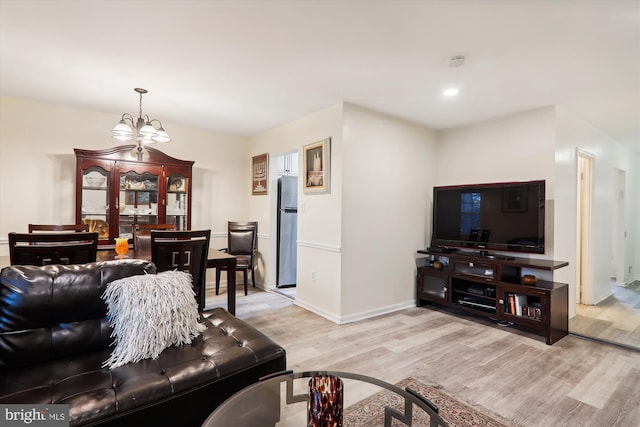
(505, 216)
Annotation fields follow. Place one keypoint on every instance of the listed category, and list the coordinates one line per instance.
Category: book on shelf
(512, 304)
(517, 305)
(521, 301)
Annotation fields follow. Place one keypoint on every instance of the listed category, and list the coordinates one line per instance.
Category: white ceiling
(248, 66)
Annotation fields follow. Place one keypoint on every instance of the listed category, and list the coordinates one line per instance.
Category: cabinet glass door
(434, 286)
(138, 201)
(95, 200)
(177, 201)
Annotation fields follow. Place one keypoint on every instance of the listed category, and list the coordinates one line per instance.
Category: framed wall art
(317, 167)
(259, 174)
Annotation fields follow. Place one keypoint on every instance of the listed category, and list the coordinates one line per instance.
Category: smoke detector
(456, 61)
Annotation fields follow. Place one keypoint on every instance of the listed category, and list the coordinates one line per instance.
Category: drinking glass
(122, 246)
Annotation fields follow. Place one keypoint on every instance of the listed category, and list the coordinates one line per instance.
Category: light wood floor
(616, 319)
(575, 382)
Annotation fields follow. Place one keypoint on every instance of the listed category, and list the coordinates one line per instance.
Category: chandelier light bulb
(147, 130)
(122, 131)
(161, 136)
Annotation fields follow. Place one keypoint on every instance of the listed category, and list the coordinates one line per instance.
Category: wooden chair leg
(253, 277)
(217, 281)
(244, 273)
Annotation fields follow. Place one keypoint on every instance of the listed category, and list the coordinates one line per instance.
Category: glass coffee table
(282, 400)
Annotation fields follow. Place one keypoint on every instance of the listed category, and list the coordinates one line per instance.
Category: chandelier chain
(140, 112)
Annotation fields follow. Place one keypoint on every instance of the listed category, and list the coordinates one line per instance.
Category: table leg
(231, 286)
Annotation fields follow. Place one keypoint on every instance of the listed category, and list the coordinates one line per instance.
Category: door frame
(619, 227)
(585, 163)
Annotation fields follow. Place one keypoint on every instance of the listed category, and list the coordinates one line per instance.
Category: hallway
(616, 319)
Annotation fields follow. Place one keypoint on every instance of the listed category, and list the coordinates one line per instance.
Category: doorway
(584, 212)
(616, 318)
(619, 232)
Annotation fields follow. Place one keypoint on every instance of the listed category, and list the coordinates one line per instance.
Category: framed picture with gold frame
(317, 167)
(260, 174)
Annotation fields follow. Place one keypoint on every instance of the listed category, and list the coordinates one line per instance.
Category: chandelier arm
(128, 118)
(150, 121)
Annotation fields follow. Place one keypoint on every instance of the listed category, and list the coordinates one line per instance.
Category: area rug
(370, 412)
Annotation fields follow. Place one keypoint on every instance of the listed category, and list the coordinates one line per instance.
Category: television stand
(490, 285)
(489, 255)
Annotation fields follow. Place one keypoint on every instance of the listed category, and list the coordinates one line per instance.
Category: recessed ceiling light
(456, 61)
(450, 92)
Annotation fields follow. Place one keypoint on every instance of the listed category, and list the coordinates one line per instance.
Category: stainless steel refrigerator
(287, 230)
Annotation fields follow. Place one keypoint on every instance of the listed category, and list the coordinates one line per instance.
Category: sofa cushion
(149, 313)
(228, 347)
(54, 311)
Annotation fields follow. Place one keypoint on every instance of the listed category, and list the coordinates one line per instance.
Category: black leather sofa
(54, 337)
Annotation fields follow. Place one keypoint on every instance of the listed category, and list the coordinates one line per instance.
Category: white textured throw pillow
(149, 313)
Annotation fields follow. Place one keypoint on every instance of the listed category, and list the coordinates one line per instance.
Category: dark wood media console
(492, 286)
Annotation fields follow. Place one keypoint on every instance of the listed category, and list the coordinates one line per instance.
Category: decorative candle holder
(325, 404)
(121, 247)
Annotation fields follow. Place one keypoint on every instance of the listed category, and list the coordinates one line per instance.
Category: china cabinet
(115, 191)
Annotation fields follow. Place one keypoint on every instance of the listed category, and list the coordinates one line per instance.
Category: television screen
(499, 216)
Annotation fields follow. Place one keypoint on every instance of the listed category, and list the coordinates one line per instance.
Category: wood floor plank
(616, 319)
(575, 382)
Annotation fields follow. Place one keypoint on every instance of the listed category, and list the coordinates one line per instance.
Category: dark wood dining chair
(242, 242)
(52, 248)
(142, 235)
(184, 251)
(72, 228)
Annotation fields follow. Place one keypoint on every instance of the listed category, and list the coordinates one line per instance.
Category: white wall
(518, 147)
(542, 144)
(360, 240)
(389, 171)
(574, 133)
(319, 215)
(37, 166)
(634, 183)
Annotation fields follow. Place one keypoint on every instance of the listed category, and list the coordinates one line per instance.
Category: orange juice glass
(122, 246)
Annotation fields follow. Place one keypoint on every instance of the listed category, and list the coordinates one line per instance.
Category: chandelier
(141, 129)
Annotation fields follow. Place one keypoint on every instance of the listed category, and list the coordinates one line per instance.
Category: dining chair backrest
(241, 242)
(242, 237)
(52, 248)
(73, 228)
(142, 235)
(184, 251)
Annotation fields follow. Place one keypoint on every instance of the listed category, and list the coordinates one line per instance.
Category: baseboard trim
(317, 310)
(341, 320)
(363, 315)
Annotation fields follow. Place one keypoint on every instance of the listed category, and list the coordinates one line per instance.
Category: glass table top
(282, 400)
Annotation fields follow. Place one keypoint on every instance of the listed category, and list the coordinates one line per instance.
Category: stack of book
(519, 305)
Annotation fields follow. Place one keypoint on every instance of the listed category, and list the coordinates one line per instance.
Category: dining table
(215, 259)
